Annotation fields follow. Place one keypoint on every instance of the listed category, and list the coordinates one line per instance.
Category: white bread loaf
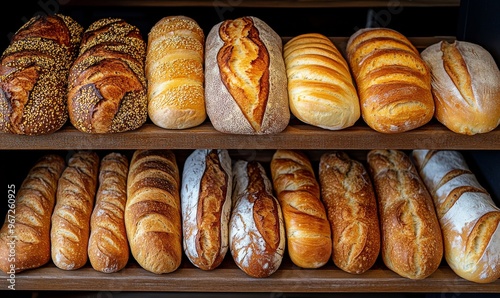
(469, 218)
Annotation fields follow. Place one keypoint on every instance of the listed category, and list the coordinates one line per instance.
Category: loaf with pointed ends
(76, 190)
(206, 191)
(466, 86)
(107, 88)
(320, 87)
(245, 78)
(309, 241)
(108, 245)
(412, 243)
(393, 82)
(153, 210)
(349, 197)
(469, 218)
(35, 199)
(34, 73)
(256, 228)
(174, 70)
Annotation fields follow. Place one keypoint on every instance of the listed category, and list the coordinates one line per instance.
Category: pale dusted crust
(206, 206)
(469, 218)
(228, 111)
(34, 199)
(349, 198)
(466, 86)
(412, 243)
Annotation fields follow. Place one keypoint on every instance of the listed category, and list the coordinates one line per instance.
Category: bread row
(106, 78)
(411, 210)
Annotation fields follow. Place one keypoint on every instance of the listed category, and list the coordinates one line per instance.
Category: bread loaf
(107, 84)
(174, 70)
(245, 78)
(206, 206)
(466, 86)
(108, 245)
(309, 241)
(348, 194)
(153, 211)
(393, 82)
(25, 234)
(320, 87)
(469, 218)
(412, 243)
(76, 190)
(256, 228)
(34, 73)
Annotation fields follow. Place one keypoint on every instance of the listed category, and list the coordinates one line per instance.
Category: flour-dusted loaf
(320, 87)
(309, 241)
(256, 228)
(107, 88)
(108, 245)
(76, 190)
(469, 218)
(466, 86)
(34, 73)
(174, 70)
(412, 243)
(245, 78)
(393, 82)
(153, 210)
(27, 223)
(206, 191)
(349, 197)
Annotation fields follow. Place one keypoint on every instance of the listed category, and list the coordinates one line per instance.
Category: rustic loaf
(245, 78)
(469, 218)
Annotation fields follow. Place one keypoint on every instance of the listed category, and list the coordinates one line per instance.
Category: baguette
(412, 243)
(469, 218)
(309, 240)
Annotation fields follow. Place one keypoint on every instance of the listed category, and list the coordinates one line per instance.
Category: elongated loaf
(34, 73)
(76, 190)
(108, 245)
(412, 243)
(153, 210)
(466, 86)
(309, 241)
(469, 218)
(174, 70)
(320, 87)
(256, 228)
(28, 224)
(349, 197)
(206, 206)
(107, 89)
(245, 78)
(394, 83)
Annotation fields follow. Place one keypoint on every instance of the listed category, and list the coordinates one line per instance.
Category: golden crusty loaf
(412, 243)
(320, 87)
(393, 82)
(69, 234)
(174, 70)
(245, 78)
(349, 197)
(108, 245)
(34, 73)
(27, 223)
(309, 241)
(107, 83)
(466, 86)
(153, 210)
(206, 206)
(256, 228)
(469, 218)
